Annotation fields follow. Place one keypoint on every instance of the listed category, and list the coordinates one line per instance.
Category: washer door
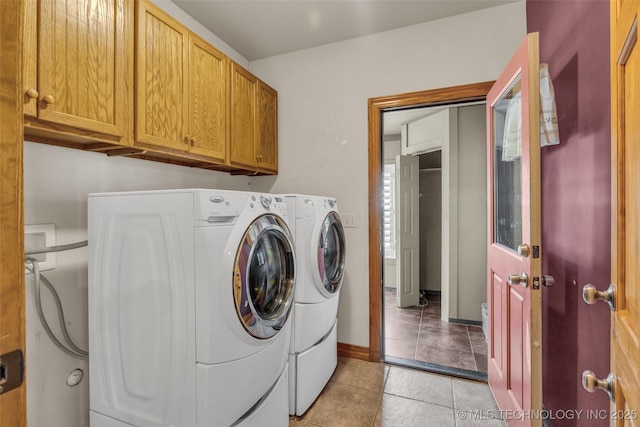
(331, 252)
(264, 274)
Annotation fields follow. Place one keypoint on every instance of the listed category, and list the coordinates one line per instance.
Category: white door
(408, 230)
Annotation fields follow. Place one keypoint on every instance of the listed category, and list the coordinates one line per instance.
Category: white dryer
(190, 293)
(320, 249)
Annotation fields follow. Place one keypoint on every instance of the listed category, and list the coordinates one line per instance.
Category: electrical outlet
(39, 236)
(349, 220)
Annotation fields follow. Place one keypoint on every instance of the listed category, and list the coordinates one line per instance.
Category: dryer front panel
(330, 251)
(263, 277)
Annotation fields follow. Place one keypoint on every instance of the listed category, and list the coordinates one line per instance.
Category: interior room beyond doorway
(442, 327)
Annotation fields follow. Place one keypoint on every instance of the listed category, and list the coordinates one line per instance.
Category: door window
(331, 252)
(507, 168)
(264, 276)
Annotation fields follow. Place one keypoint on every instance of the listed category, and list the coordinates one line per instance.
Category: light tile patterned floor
(373, 394)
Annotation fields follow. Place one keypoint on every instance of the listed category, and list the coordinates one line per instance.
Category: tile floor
(373, 394)
(417, 333)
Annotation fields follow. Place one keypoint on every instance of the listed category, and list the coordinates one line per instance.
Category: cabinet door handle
(192, 140)
(259, 157)
(32, 93)
(49, 99)
(186, 139)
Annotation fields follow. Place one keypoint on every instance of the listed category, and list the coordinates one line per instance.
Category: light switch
(349, 220)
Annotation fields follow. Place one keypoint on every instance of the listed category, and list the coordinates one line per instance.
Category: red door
(514, 249)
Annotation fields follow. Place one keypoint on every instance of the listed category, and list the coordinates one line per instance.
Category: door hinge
(11, 371)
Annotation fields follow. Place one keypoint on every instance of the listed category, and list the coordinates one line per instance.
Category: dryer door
(264, 273)
(331, 251)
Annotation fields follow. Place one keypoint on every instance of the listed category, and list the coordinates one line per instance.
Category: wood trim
(535, 220)
(12, 296)
(443, 96)
(624, 356)
(353, 351)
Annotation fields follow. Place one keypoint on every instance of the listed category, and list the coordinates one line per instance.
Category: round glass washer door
(331, 253)
(263, 278)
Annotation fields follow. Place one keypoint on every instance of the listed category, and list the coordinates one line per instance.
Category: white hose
(58, 248)
(39, 279)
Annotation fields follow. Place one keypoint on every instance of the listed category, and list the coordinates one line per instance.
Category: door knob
(518, 279)
(523, 250)
(591, 383)
(49, 99)
(548, 281)
(590, 295)
(32, 93)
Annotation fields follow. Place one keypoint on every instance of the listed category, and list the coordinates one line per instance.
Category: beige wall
(472, 212)
(430, 229)
(322, 126)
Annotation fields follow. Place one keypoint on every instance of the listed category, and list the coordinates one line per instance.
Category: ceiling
(259, 29)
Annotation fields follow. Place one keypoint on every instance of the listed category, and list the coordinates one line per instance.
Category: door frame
(12, 290)
(376, 106)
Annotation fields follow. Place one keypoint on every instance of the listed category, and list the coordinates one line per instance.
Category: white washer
(320, 249)
(189, 299)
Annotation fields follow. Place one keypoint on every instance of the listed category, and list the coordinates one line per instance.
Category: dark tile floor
(418, 333)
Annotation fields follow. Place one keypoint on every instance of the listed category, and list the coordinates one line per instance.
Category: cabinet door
(161, 79)
(243, 117)
(30, 58)
(267, 128)
(207, 100)
(82, 64)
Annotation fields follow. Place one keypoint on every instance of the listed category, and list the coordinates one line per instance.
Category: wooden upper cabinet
(243, 117)
(181, 90)
(254, 129)
(30, 58)
(161, 79)
(207, 100)
(267, 151)
(104, 74)
(77, 68)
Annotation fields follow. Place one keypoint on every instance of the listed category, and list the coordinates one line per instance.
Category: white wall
(472, 212)
(431, 230)
(57, 182)
(322, 102)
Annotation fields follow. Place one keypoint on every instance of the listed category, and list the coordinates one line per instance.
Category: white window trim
(389, 210)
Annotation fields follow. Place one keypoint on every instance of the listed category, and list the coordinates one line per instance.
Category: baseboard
(353, 351)
(466, 322)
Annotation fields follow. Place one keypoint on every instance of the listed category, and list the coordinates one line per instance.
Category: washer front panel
(263, 278)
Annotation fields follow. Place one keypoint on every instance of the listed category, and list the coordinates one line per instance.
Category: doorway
(378, 107)
(434, 233)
